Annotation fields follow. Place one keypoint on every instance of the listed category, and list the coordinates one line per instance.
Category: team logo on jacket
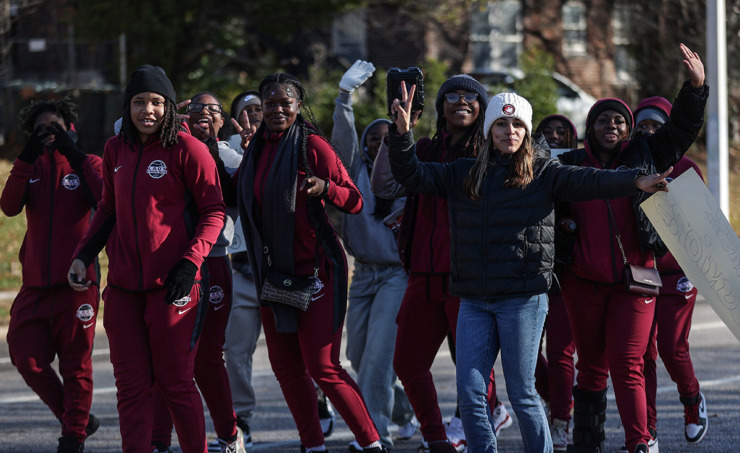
(684, 285)
(217, 294)
(508, 109)
(157, 169)
(181, 302)
(85, 313)
(71, 181)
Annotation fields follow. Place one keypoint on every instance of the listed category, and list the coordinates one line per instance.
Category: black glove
(180, 280)
(33, 148)
(64, 143)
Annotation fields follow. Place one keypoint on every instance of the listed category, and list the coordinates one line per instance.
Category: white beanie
(508, 105)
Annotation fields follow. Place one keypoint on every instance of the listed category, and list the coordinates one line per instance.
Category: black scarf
(274, 227)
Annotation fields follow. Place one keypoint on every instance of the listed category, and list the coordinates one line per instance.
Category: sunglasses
(454, 98)
(196, 107)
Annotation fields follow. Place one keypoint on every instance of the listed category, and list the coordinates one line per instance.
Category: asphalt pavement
(27, 425)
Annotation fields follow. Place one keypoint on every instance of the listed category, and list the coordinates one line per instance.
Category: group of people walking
(211, 238)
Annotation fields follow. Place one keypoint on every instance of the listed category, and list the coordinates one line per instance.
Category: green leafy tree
(537, 86)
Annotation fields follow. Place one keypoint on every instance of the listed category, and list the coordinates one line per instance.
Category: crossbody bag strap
(619, 237)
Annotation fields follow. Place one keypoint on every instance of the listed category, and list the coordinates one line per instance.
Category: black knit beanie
(461, 82)
(616, 105)
(148, 78)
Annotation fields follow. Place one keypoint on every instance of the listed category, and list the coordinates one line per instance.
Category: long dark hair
(167, 130)
(521, 168)
(469, 145)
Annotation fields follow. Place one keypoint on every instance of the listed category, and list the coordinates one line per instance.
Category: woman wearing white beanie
(501, 243)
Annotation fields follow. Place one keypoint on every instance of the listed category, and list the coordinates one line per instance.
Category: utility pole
(717, 130)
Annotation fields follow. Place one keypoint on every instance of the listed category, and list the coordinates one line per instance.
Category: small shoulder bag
(638, 279)
(288, 289)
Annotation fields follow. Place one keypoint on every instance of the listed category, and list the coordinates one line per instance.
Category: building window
(623, 60)
(348, 36)
(496, 35)
(574, 28)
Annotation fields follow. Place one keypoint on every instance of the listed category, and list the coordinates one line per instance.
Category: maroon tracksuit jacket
(48, 318)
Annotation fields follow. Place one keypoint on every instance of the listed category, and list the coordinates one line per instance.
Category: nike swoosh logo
(687, 296)
(648, 301)
(85, 326)
(35, 180)
(317, 297)
(217, 307)
(115, 170)
(184, 311)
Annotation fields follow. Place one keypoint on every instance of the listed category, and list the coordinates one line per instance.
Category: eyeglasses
(454, 98)
(196, 107)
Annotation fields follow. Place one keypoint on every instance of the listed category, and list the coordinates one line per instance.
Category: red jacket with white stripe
(159, 205)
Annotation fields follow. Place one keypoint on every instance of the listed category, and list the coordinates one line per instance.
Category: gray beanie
(461, 82)
(649, 113)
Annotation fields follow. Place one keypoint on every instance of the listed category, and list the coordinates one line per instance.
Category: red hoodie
(145, 201)
(430, 246)
(59, 201)
(326, 165)
(596, 255)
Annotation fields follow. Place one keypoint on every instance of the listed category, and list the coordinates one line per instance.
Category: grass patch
(13, 230)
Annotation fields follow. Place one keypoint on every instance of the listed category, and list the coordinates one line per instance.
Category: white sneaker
(501, 418)
(559, 434)
(653, 446)
(408, 430)
(237, 446)
(456, 435)
(695, 420)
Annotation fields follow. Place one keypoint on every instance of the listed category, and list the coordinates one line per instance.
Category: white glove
(356, 75)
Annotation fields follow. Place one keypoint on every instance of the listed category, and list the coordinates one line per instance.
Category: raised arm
(670, 142)
(344, 134)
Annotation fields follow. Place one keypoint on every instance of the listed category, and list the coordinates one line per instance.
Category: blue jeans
(375, 296)
(513, 326)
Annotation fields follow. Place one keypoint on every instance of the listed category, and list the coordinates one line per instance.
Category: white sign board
(703, 242)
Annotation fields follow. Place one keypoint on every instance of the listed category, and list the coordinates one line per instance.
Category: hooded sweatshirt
(369, 239)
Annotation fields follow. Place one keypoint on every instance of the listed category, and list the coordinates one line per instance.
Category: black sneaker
(70, 445)
(642, 448)
(241, 422)
(326, 413)
(92, 425)
(158, 447)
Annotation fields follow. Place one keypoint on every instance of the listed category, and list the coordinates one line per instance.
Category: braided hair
(306, 127)
(167, 130)
(65, 109)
